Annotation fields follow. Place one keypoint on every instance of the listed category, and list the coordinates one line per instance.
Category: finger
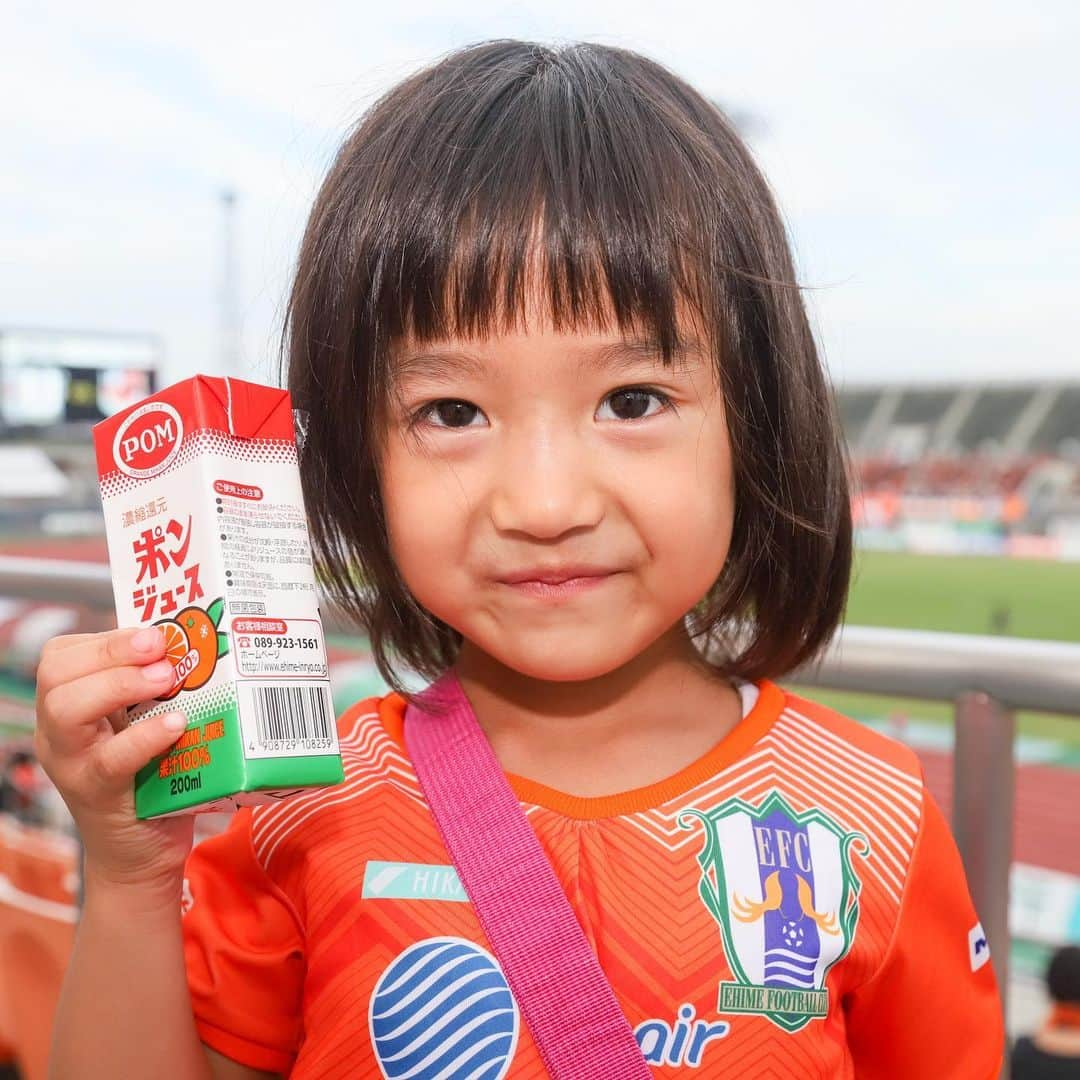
(64, 641)
(94, 652)
(118, 759)
(118, 719)
(71, 713)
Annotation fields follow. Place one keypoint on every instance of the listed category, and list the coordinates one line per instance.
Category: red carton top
(145, 439)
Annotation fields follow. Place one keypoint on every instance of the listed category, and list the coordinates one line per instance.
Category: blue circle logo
(443, 1011)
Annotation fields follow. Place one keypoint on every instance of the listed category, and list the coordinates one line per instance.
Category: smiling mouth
(557, 587)
(557, 575)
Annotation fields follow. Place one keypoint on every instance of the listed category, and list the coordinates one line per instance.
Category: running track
(1045, 829)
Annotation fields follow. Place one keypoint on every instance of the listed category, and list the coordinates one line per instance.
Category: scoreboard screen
(51, 378)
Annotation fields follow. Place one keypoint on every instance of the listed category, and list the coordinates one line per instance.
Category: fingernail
(159, 671)
(174, 721)
(145, 640)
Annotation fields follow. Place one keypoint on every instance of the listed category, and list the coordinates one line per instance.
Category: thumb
(125, 753)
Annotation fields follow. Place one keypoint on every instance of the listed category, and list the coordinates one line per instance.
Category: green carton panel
(207, 764)
(272, 774)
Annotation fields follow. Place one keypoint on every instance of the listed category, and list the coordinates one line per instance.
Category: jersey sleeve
(243, 949)
(932, 1008)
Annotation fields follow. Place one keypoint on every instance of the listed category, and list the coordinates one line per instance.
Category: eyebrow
(620, 355)
(615, 357)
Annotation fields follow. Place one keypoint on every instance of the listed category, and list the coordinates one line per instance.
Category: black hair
(602, 178)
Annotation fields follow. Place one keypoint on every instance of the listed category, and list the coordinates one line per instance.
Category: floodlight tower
(230, 319)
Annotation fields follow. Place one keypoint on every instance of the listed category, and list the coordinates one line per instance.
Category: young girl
(570, 439)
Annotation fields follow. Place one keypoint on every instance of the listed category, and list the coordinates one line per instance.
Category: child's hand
(84, 743)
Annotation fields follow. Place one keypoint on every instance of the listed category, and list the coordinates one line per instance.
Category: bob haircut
(596, 177)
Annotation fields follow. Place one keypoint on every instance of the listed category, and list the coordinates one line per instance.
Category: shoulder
(372, 740)
(840, 738)
(360, 717)
(378, 776)
(871, 784)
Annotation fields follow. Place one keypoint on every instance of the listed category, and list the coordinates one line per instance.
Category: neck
(652, 715)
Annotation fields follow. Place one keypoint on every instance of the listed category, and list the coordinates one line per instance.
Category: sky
(926, 160)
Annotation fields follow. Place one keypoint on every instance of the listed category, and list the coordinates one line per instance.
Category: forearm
(125, 1009)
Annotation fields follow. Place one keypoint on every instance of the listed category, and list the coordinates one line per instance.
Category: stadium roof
(1024, 417)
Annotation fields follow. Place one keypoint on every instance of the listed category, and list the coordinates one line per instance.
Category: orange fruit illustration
(200, 635)
(176, 648)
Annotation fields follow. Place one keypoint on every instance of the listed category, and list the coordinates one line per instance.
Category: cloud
(923, 159)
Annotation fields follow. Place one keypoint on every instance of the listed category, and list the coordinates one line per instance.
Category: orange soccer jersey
(792, 904)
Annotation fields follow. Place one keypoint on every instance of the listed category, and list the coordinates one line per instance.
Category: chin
(573, 662)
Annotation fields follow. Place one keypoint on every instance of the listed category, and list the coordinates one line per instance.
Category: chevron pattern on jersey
(633, 879)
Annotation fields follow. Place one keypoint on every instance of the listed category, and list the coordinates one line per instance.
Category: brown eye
(451, 413)
(634, 403)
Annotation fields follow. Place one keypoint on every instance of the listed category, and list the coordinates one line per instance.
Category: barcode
(292, 712)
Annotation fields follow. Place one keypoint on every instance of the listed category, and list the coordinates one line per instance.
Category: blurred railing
(986, 678)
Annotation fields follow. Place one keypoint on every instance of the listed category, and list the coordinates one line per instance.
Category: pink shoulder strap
(564, 996)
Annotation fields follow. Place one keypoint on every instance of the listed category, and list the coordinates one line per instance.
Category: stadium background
(968, 512)
(967, 488)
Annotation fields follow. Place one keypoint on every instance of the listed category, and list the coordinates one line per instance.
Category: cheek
(694, 493)
(696, 529)
(400, 511)
(692, 550)
(412, 523)
(425, 530)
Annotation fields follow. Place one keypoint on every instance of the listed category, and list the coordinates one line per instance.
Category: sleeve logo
(978, 947)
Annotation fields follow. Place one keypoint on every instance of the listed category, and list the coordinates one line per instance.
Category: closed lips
(550, 576)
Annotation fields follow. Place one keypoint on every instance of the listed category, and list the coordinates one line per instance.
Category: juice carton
(208, 540)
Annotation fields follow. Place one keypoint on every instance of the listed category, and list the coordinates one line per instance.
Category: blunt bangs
(593, 179)
(514, 175)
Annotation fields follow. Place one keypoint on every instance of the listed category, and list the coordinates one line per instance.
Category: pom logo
(148, 440)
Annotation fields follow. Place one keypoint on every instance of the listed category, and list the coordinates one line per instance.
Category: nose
(544, 484)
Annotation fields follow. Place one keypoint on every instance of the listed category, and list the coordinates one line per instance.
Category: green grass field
(1014, 597)
(1010, 597)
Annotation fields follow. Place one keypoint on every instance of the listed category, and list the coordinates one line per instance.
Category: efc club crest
(782, 887)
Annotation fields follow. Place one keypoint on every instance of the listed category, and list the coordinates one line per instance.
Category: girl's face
(560, 499)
